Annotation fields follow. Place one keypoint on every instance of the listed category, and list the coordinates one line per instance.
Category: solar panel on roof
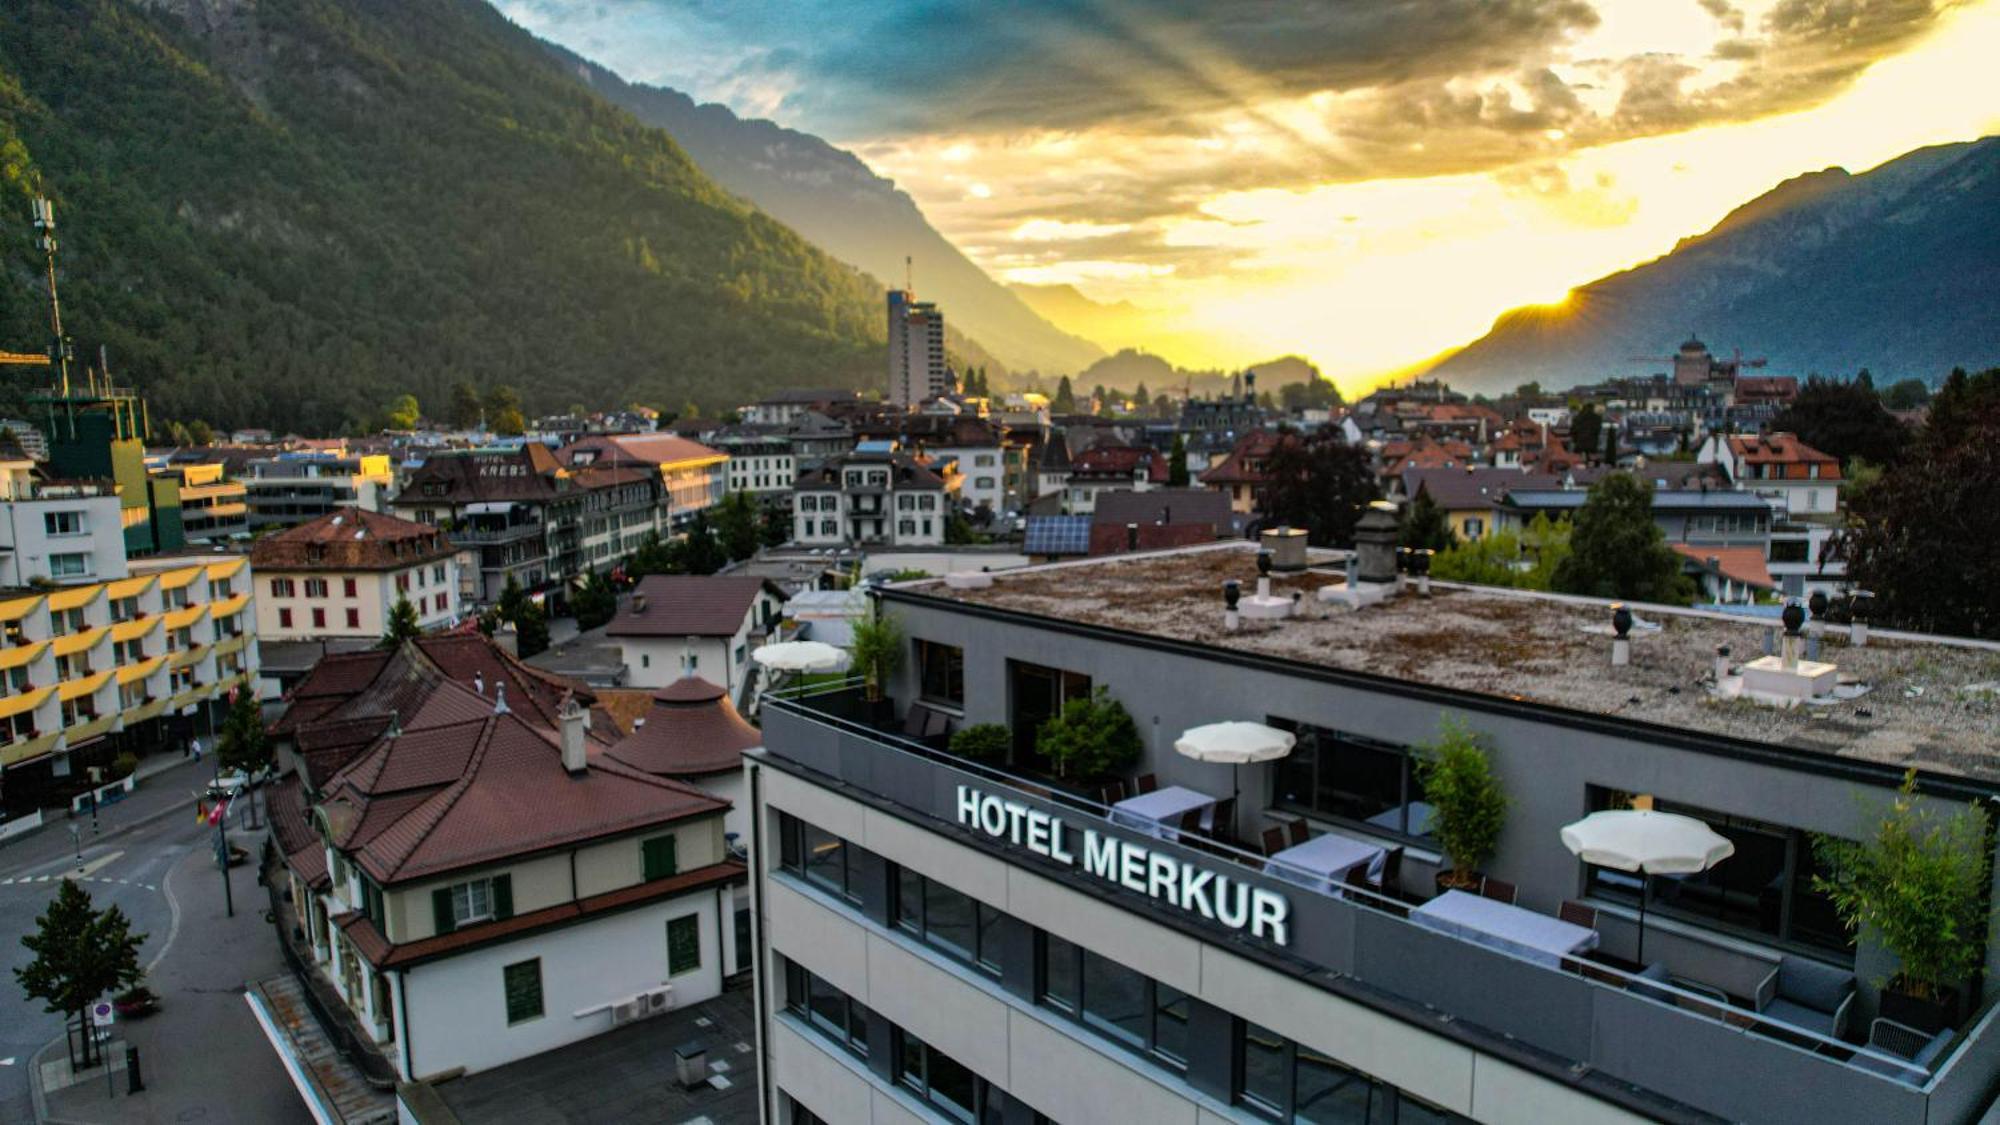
(1057, 535)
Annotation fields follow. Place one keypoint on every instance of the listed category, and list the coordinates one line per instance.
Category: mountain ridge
(1827, 272)
(832, 198)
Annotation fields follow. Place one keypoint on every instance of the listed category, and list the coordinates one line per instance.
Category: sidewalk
(203, 1055)
(166, 783)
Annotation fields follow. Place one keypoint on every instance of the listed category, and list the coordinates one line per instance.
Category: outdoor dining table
(1497, 925)
(1159, 813)
(1321, 861)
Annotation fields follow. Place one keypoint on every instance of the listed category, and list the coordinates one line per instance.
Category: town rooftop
(1933, 702)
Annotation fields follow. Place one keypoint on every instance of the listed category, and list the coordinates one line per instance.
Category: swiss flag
(215, 814)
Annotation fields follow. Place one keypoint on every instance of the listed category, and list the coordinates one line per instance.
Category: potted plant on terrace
(1470, 807)
(877, 649)
(1092, 737)
(1916, 885)
(983, 742)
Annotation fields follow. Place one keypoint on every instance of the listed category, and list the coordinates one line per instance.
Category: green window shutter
(522, 982)
(683, 944)
(441, 909)
(503, 896)
(658, 856)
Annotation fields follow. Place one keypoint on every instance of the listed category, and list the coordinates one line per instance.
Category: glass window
(1059, 967)
(826, 859)
(472, 902)
(1347, 777)
(683, 944)
(938, 1079)
(523, 983)
(1264, 1084)
(941, 672)
(947, 918)
(1326, 1092)
(1114, 999)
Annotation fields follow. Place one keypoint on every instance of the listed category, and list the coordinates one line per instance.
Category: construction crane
(23, 359)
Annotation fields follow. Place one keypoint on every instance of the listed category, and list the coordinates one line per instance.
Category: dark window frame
(917, 922)
(683, 939)
(795, 857)
(516, 990)
(1315, 744)
(940, 673)
(923, 1084)
(1148, 1044)
(1385, 1105)
(849, 1032)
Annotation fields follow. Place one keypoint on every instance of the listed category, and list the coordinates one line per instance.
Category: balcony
(1579, 1019)
(491, 534)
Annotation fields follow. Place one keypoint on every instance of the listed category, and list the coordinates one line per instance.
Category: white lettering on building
(1155, 874)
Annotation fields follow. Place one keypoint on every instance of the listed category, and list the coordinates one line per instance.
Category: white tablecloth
(1489, 922)
(1321, 861)
(1159, 813)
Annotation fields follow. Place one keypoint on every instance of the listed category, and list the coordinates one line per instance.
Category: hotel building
(940, 938)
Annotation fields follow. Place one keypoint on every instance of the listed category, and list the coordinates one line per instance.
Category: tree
(774, 527)
(1177, 463)
(1916, 535)
(465, 408)
(1313, 394)
(736, 525)
(201, 433)
(1321, 484)
(402, 413)
(1843, 419)
(1425, 525)
(1918, 884)
(1471, 807)
(983, 742)
(1585, 430)
(243, 743)
(1611, 445)
(958, 530)
(594, 603)
(402, 624)
(1065, 400)
(1092, 736)
(531, 625)
(81, 955)
(1142, 398)
(503, 411)
(1617, 551)
(876, 645)
(698, 551)
(1906, 394)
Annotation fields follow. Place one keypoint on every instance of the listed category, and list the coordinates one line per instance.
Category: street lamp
(76, 838)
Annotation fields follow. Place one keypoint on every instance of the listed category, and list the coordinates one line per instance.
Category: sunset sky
(1362, 183)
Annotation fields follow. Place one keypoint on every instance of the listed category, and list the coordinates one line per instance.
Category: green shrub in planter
(1471, 807)
(983, 742)
(123, 765)
(1091, 737)
(1916, 883)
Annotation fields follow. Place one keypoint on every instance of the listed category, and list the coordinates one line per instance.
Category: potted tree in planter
(1470, 807)
(877, 650)
(1915, 883)
(983, 742)
(1091, 738)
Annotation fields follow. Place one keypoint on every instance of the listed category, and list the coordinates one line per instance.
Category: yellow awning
(175, 579)
(181, 618)
(21, 654)
(72, 643)
(227, 606)
(26, 701)
(130, 630)
(17, 608)
(77, 689)
(228, 568)
(141, 670)
(72, 599)
(128, 587)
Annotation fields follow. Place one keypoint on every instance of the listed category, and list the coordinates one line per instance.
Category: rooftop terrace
(1931, 702)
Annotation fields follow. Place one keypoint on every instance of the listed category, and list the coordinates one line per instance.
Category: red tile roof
(1110, 539)
(351, 539)
(298, 840)
(636, 449)
(1121, 461)
(449, 793)
(1783, 449)
(1738, 564)
(1245, 463)
(691, 730)
(689, 605)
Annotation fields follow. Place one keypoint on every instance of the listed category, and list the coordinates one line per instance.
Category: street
(148, 856)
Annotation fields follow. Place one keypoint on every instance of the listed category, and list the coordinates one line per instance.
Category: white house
(872, 496)
(688, 624)
(340, 575)
(1779, 467)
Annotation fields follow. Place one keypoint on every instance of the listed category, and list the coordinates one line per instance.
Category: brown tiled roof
(689, 605)
(304, 851)
(1783, 449)
(449, 793)
(375, 948)
(623, 705)
(1235, 468)
(637, 449)
(1469, 489)
(691, 730)
(529, 474)
(1121, 506)
(1110, 539)
(351, 539)
(1738, 564)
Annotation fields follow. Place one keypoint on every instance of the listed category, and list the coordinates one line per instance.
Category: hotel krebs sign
(1158, 875)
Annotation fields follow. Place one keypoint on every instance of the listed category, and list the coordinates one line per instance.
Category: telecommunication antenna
(59, 349)
(909, 276)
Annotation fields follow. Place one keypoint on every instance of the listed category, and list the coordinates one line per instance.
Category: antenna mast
(909, 277)
(59, 351)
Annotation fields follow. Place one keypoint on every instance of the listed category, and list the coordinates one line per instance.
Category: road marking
(8, 1061)
(100, 863)
(150, 887)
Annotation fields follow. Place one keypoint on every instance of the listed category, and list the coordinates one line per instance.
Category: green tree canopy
(465, 406)
(1177, 463)
(1065, 400)
(1906, 394)
(503, 411)
(736, 525)
(402, 624)
(402, 413)
(1843, 419)
(1321, 484)
(1586, 434)
(594, 603)
(1425, 525)
(1618, 551)
(81, 955)
(243, 743)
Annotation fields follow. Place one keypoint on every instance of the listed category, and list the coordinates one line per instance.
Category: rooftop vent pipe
(1721, 664)
(1817, 603)
(1232, 593)
(1863, 609)
(1621, 641)
(1131, 536)
(1793, 616)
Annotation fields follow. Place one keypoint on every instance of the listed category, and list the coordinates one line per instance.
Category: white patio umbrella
(1236, 743)
(799, 657)
(1650, 843)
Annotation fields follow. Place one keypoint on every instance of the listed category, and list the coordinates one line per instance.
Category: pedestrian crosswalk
(24, 879)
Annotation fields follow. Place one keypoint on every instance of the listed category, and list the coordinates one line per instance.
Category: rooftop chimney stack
(571, 718)
(1817, 603)
(638, 603)
(1131, 536)
(1375, 542)
(1232, 593)
(1721, 664)
(1621, 640)
(1421, 560)
(1794, 616)
(1864, 608)
(1263, 574)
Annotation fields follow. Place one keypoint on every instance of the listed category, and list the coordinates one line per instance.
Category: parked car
(227, 784)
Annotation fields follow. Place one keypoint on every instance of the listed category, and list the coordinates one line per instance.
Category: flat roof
(1932, 702)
